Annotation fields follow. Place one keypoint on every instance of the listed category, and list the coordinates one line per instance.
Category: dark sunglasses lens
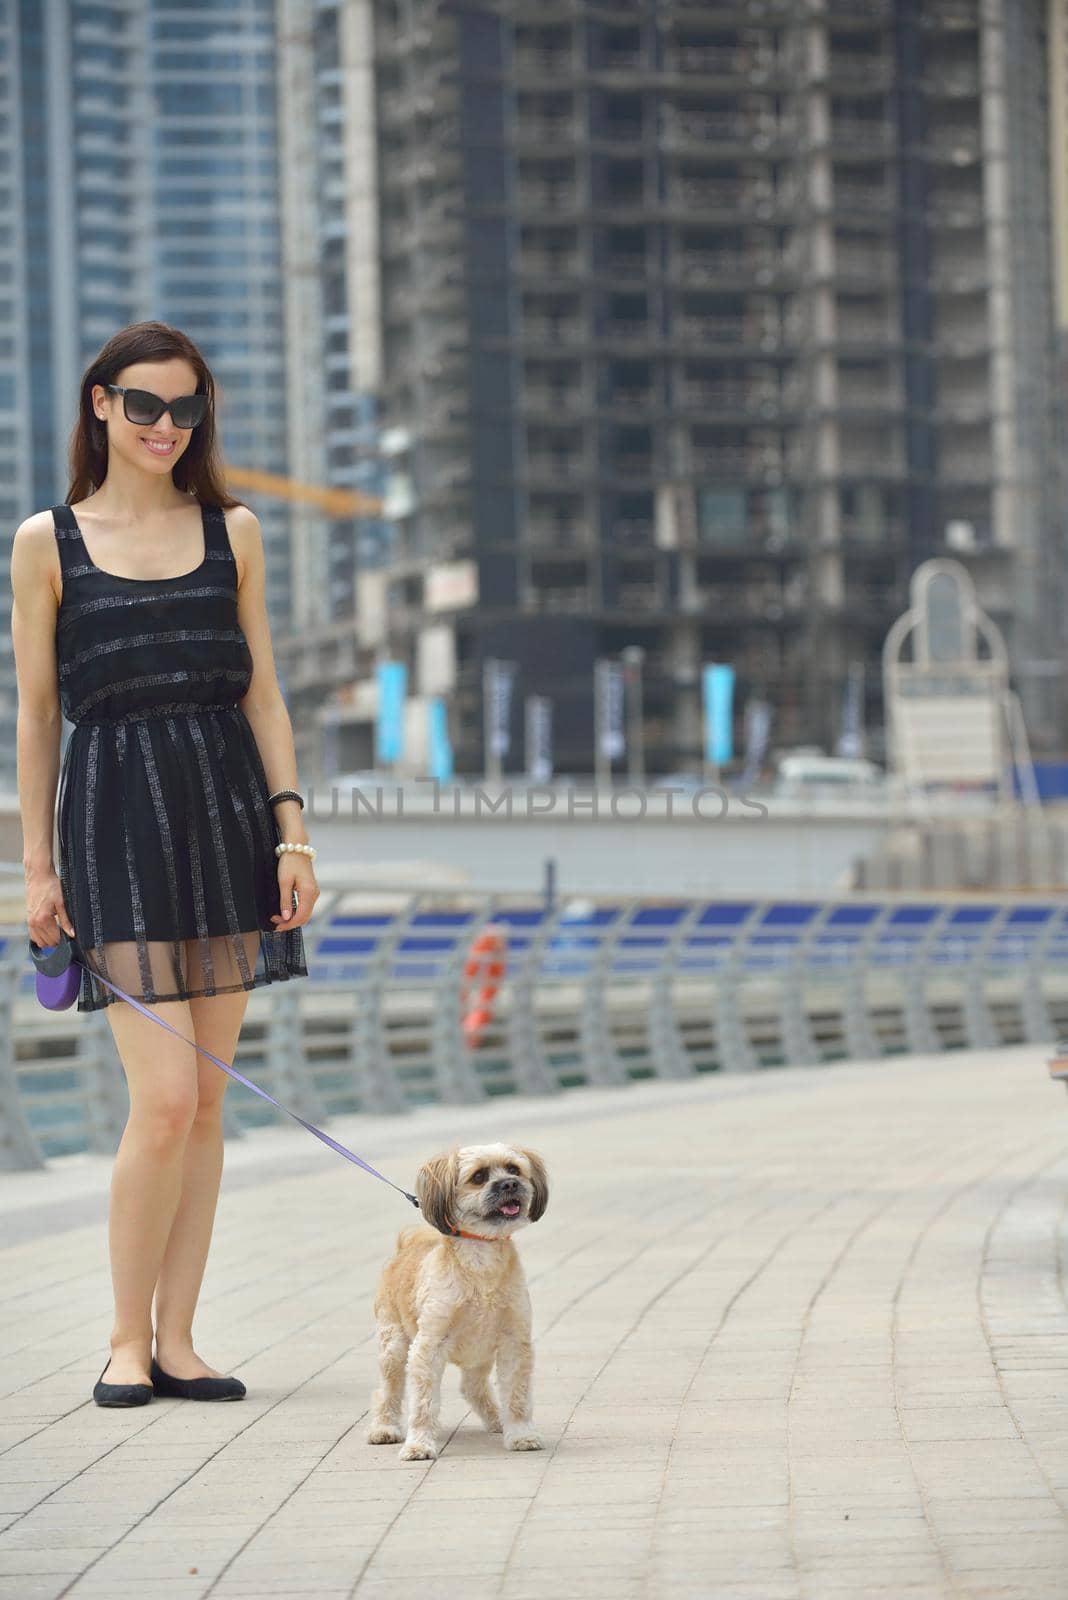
(189, 410)
(141, 407)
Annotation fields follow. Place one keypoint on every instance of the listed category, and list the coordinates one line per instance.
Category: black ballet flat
(120, 1394)
(195, 1388)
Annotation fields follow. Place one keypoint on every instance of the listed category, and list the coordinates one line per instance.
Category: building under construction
(697, 327)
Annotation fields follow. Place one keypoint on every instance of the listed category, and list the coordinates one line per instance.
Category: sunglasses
(144, 408)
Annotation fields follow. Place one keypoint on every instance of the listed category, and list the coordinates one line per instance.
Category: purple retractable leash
(58, 981)
(58, 978)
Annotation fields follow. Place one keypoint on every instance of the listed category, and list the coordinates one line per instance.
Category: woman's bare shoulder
(34, 552)
(243, 527)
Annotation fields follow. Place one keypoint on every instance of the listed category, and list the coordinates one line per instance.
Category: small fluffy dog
(459, 1295)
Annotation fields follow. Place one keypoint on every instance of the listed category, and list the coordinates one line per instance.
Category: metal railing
(598, 992)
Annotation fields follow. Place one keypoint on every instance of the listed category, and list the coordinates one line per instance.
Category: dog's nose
(509, 1184)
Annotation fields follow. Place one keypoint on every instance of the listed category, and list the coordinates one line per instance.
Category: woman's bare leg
(146, 1181)
(216, 1022)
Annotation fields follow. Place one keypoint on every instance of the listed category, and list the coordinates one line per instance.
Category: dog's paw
(493, 1424)
(418, 1450)
(384, 1434)
(523, 1439)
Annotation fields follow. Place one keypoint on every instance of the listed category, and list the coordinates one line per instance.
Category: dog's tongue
(510, 1208)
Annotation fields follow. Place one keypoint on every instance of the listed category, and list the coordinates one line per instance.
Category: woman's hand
(45, 907)
(295, 872)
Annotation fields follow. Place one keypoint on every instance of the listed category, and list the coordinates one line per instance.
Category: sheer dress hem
(93, 996)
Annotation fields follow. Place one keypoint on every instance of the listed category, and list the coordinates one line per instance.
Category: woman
(139, 615)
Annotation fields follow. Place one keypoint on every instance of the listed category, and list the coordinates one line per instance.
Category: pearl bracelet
(301, 849)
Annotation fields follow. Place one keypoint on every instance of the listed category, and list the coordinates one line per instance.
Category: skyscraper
(142, 182)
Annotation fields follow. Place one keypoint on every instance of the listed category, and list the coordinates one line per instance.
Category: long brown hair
(199, 472)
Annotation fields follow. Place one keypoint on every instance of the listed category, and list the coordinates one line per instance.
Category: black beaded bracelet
(287, 794)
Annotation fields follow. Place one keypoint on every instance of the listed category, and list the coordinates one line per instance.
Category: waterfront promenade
(798, 1334)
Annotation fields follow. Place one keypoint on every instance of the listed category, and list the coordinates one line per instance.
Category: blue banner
(439, 749)
(718, 684)
(392, 679)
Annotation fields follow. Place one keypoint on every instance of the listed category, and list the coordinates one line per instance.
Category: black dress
(166, 837)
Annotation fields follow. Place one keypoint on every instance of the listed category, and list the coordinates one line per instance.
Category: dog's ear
(435, 1184)
(540, 1179)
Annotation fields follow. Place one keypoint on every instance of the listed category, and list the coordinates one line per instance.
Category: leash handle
(341, 1149)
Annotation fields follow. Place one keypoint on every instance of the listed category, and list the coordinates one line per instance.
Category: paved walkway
(799, 1334)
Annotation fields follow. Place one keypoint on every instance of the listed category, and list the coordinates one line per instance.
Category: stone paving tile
(1035, 1587)
(791, 1342)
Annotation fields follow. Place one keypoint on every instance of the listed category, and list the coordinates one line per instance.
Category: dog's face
(493, 1189)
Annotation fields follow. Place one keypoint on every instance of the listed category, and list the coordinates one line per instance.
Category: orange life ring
(486, 965)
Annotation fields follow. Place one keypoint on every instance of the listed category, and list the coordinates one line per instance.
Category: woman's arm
(266, 709)
(263, 704)
(34, 608)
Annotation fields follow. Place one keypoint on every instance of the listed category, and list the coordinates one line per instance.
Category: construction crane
(336, 502)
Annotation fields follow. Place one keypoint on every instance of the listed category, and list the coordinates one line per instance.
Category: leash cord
(233, 1072)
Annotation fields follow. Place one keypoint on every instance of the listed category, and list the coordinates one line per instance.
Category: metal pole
(491, 756)
(549, 883)
(602, 767)
(633, 657)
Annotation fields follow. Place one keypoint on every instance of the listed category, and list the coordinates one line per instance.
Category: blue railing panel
(699, 967)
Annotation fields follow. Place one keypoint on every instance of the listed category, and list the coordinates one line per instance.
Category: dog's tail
(406, 1233)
